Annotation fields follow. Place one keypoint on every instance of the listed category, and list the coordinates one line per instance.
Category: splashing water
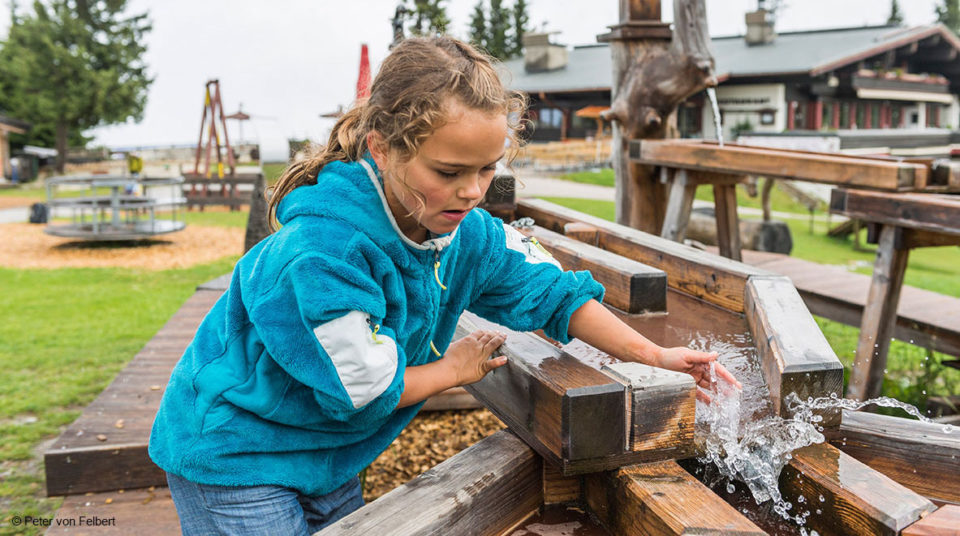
(803, 410)
(712, 94)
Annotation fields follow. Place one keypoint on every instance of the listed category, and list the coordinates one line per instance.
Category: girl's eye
(447, 174)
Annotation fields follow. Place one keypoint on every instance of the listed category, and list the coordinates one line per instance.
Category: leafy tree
(521, 20)
(72, 65)
(497, 29)
(948, 12)
(896, 16)
(478, 26)
(429, 18)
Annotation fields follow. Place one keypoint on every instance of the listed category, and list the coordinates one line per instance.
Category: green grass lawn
(914, 374)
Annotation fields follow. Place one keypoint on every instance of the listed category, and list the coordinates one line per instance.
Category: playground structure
(113, 208)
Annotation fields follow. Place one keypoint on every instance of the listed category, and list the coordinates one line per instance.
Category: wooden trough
(557, 469)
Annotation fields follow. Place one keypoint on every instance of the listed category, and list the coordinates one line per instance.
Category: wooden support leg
(879, 317)
(728, 224)
(679, 205)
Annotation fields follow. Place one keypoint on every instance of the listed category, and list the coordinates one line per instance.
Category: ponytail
(347, 143)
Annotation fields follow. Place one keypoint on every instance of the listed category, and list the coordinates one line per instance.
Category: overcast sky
(288, 61)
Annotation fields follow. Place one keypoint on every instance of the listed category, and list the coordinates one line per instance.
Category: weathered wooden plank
(117, 513)
(728, 224)
(451, 399)
(918, 455)
(794, 355)
(945, 521)
(929, 212)
(679, 205)
(856, 499)
(630, 286)
(484, 489)
(782, 163)
(663, 407)
(559, 489)
(583, 232)
(661, 498)
(918, 238)
(714, 279)
(879, 318)
(569, 412)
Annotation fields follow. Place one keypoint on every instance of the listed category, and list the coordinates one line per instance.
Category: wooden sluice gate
(594, 445)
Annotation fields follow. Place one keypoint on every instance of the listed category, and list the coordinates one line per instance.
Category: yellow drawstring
(436, 275)
(374, 334)
(434, 348)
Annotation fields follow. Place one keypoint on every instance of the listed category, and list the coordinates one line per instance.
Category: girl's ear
(377, 148)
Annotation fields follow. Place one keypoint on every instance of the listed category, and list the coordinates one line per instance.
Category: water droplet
(822, 498)
(801, 499)
(731, 488)
(819, 511)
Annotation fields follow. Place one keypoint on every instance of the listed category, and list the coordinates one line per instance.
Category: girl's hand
(696, 364)
(468, 359)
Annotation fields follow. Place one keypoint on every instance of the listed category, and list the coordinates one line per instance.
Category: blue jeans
(269, 510)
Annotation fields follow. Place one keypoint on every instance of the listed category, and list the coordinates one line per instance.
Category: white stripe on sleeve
(365, 366)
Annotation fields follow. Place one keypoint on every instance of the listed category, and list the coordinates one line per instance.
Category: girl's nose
(471, 188)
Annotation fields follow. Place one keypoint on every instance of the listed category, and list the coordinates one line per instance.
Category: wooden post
(868, 115)
(791, 114)
(879, 317)
(836, 115)
(816, 114)
(679, 205)
(853, 114)
(728, 224)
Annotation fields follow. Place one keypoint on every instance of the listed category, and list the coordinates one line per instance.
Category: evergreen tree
(521, 20)
(948, 13)
(896, 16)
(478, 26)
(72, 65)
(429, 18)
(497, 30)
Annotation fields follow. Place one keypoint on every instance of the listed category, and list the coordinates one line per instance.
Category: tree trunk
(61, 145)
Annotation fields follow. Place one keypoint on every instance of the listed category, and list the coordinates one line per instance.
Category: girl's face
(451, 172)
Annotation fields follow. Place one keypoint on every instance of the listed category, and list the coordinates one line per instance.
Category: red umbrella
(363, 81)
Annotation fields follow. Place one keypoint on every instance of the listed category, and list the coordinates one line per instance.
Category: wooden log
(836, 169)
(630, 286)
(679, 205)
(711, 278)
(856, 499)
(728, 224)
(484, 489)
(571, 413)
(794, 355)
(661, 498)
(928, 212)
(918, 455)
(945, 521)
(879, 318)
(663, 407)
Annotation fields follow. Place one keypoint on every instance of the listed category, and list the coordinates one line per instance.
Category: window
(768, 117)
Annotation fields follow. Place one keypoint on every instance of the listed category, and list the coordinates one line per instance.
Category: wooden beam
(794, 355)
(781, 163)
(917, 238)
(663, 407)
(581, 231)
(485, 489)
(711, 278)
(856, 499)
(661, 498)
(571, 413)
(879, 318)
(558, 489)
(929, 212)
(918, 455)
(679, 205)
(943, 522)
(630, 286)
(728, 224)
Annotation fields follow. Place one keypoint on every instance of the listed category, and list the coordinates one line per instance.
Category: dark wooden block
(661, 498)
(631, 286)
(485, 489)
(794, 355)
(857, 499)
(918, 455)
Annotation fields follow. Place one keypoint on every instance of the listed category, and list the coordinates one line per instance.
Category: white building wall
(745, 103)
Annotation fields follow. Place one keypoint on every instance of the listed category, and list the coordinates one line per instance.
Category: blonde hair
(406, 105)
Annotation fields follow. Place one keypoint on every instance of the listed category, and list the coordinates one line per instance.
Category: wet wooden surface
(558, 521)
(856, 499)
(134, 512)
(800, 165)
(630, 286)
(795, 357)
(712, 278)
(944, 522)
(486, 489)
(921, 456)
(661, 498)
(936, 213)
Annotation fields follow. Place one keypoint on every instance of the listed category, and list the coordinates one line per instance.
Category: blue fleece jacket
(268, 393)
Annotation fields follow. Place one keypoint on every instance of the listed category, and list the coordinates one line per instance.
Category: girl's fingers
(703, 397)
(496, 362)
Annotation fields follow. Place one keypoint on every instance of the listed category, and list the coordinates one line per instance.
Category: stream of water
(712, 94)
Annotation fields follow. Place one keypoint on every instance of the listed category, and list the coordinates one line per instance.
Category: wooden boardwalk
(924, 318)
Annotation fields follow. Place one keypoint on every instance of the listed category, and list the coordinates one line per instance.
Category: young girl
(336, 327)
